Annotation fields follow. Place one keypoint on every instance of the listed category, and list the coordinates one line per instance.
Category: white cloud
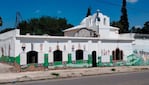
(138, 26)
(132, 1)
(37, 11)
(59, 12)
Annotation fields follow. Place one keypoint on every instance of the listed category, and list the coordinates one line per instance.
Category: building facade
(92, 43)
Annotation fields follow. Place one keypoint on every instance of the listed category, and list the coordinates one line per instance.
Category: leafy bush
(55, 74)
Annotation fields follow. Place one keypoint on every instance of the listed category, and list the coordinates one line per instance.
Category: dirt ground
(5, 68)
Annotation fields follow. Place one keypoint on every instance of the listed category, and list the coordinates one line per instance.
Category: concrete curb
(65, 73)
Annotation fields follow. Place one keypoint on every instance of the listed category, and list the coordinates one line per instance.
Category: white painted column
(40, 57)
(23, 58)
(99, 47)
(73, 56)
(50, 57)
(45, 47)
(17, 48)
(85, 55)
(65, 56)
(90, 47)
(69, 46)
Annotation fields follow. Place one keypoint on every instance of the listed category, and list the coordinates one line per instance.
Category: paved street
(132, 78)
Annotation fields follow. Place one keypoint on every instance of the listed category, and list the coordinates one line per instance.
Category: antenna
(18, 19)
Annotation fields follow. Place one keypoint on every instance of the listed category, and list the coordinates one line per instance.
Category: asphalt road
(133, 78)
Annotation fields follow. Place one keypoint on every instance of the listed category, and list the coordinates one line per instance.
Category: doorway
(57, 55)
(32, 57)
(94, 64)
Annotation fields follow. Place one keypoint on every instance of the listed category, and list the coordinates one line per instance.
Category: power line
(107, 2)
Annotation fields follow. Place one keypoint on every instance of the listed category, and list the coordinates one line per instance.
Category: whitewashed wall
(12, 40)
(108, 46)
(106, 50)
(7, 42)
(127, 49)
(50, 45)
(23, 59)
(141, 45)
(103, 48)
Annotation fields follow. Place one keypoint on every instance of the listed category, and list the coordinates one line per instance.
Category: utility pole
(18, 19)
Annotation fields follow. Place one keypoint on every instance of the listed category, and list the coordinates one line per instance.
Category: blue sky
(73, 10)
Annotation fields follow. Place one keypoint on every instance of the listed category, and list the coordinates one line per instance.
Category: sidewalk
(75, 72)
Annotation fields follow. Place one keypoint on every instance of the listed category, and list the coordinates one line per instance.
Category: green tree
(124, 19)
(136, 30)
(44, 25)
(116, 24)
(145, 29)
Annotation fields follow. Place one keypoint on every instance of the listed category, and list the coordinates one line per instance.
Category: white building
(93, 42)
(140, 45)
